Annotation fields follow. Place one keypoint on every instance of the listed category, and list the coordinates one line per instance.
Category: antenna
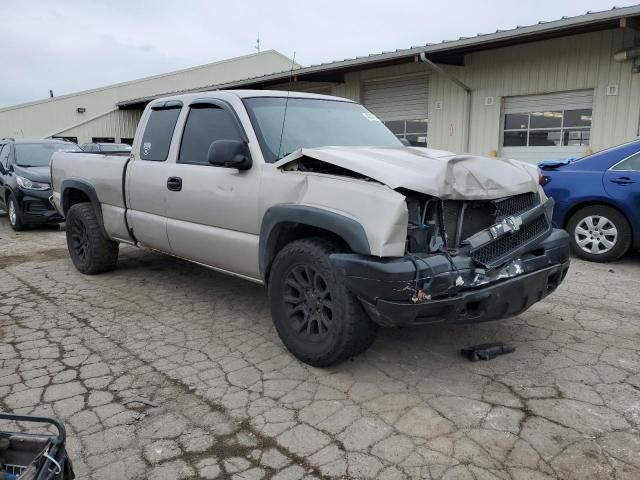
(286, 103)
(257, 46)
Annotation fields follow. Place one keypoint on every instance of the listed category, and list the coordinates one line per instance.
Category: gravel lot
(164, 369)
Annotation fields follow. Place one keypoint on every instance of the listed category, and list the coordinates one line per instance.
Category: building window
(103, 140)
(415, 131)
(548, 128)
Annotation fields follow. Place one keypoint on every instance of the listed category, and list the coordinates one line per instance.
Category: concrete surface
(164, 369)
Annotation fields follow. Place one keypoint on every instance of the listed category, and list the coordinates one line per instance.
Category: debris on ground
(486, 351)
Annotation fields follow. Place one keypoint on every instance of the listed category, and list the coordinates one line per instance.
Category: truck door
(213, 216)
(146, 177)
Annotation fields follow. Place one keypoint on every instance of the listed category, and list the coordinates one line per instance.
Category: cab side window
(632, 163)
(156, 138)
(205, 124)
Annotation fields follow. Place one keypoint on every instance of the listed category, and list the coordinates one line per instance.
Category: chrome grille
(501, 247)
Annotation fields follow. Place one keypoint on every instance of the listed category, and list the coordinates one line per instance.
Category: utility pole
(257, 46)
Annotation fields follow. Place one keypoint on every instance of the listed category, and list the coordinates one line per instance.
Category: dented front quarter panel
(381, 211)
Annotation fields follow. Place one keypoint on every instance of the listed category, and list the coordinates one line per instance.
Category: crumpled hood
(433, 172)
(36, 174)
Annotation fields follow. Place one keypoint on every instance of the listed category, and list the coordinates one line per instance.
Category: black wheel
(599, 233)
(15, 217)
(90, 251)
(317, 318)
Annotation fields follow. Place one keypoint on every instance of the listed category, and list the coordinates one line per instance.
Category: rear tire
(15, 217)
(319, 321)
(599, 233)
(90, 250)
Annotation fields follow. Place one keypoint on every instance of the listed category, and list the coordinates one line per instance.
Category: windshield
(39, 154)
(115, 147)
(311, 123)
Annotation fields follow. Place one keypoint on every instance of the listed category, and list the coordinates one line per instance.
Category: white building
(95, 115)
(551, 90)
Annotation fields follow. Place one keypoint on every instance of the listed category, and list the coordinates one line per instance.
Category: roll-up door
(402, 104)
(551, 126)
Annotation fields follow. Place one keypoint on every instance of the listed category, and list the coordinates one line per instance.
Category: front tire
(90, 250)
(599, 233)
(317, 318)
(15, 217)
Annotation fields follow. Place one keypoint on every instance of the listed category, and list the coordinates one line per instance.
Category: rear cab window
(158, 131)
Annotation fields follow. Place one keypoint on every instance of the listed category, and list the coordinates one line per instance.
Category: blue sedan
(597, 201)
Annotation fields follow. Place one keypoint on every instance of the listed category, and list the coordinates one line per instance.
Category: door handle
(622, 180)
(174, 184)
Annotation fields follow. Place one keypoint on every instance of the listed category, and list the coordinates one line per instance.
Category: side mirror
(230, 154)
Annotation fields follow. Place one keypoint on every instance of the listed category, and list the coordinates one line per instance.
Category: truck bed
(104, 174)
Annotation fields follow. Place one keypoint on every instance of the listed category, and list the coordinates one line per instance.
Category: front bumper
(385, 286)
(36, 207)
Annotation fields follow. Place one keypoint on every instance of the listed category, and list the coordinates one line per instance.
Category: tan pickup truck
(314, 197)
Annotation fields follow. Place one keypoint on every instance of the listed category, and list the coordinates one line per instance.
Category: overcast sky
(71, 45)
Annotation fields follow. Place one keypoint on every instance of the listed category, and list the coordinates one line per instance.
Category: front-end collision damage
(449, 235)
(464, 261)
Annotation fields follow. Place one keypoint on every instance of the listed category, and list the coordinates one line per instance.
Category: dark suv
(25, 184)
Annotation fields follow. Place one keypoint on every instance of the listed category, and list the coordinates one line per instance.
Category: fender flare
(89, 191)
(346, 228)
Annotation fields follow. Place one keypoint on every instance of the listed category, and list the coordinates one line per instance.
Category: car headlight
(27, 184)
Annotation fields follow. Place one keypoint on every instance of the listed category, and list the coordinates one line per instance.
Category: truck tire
(599, 233)
(317, 318)
(15, 217)
(90, 251)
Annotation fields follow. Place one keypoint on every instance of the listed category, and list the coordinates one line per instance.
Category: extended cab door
(212, 217)
(147, 174)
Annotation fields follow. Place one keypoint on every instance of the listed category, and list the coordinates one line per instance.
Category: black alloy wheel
(309, 300)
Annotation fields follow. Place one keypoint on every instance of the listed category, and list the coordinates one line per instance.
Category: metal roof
(591, 21)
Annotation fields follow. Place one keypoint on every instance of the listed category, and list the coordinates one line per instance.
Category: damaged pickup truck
(315, 198)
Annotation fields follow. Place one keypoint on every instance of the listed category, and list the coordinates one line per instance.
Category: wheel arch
(283, 224)
(77, 191)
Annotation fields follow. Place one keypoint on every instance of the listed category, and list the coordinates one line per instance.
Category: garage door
(543, 127)
(401, 103)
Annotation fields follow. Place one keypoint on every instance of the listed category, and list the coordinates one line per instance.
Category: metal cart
(34, 456)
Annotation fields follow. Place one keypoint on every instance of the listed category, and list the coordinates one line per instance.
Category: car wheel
(599, 233)
(90, 250)
(15, 217)
(317, 318)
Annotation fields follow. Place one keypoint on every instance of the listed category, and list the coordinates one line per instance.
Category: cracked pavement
(164, 369)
